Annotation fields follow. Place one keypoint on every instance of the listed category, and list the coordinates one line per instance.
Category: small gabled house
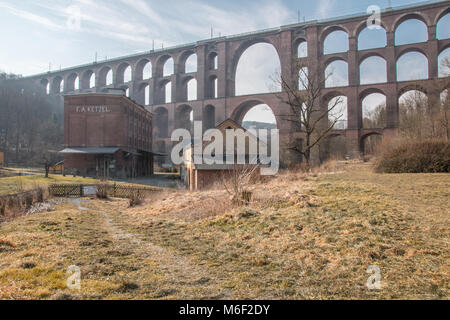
(203, 176)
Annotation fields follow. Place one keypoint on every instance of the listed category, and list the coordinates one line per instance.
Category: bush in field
(430, 156)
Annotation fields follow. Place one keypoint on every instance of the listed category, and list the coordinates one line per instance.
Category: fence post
(81, 191)
(114, 189)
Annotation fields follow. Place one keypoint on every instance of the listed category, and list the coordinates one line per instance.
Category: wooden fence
(111, 190)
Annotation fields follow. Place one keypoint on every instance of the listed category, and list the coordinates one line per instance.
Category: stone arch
(143, 70)
(239, 52)
(161, 123)
(87, 80)
(333, 147)
(105, 76)
(326, 39)
(213, 61)
(46, 85)
(370, 70)
(441, 14)
(411, 87)
(334, 66)
(367, 143)
(188, 62)
(209, 117)
(371, 39)
(56, 86)
(301, 48)
(373, 116)
(240, 111)
(412, 65)
(183, 117)
(144, 94)
(443, 25)
(410, 17)
(160, 64)
(124, 73)
(69, 82)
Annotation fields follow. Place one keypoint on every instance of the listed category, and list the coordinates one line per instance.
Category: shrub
(429, 156)
(136, 198)
(102, 191)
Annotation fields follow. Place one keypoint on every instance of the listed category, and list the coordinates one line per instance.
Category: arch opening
(191, 64)
(411, 31)
(336, 42)
(191, 88)
(213, 63)
(374, 111)
(334, 147)
(413, 114)
(167, 92)
(338, 113)
(373, 70)
(444, 63)
(256, 70)
(302, 50)
(336, 74)
(259, 116)
(372, 39)
(412, 66)
(169, 68)
(370, 143)
(443, 27)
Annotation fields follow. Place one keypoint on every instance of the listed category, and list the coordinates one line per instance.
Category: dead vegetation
(303, 236)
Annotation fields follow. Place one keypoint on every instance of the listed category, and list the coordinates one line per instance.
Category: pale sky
(66, 33)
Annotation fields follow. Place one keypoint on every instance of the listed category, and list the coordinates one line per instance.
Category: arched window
(411, 31)
(336, 42)
(412, 66)
(336, 74)
(373, 70)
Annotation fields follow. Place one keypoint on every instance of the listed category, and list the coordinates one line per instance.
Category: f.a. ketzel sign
(93, 109)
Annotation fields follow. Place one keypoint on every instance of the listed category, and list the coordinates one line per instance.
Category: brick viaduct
(217, 61)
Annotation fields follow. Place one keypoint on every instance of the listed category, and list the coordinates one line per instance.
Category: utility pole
(298, 11)
(96, 56)
(212, 32)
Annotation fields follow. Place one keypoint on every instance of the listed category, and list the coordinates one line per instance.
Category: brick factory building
(107, 135)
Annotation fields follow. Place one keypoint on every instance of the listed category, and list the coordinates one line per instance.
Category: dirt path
(181, 272)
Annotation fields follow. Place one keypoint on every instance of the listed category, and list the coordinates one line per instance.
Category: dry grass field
(303, 237)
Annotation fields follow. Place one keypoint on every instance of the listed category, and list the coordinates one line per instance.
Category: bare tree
(237, 180)
(308, 111)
